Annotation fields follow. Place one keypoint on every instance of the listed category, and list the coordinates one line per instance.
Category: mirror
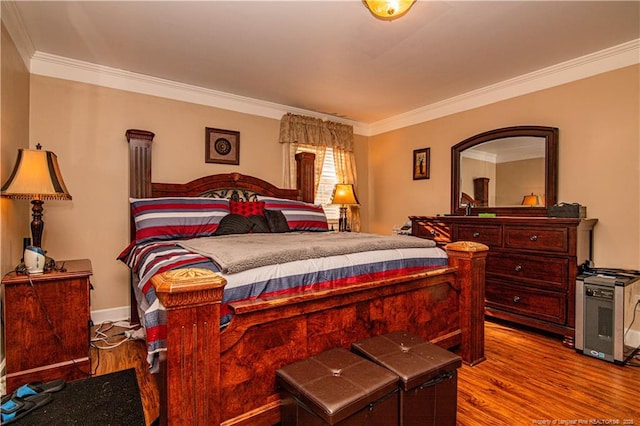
(510, 171)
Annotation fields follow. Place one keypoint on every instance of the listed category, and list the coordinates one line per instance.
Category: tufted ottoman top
(413, 359)
(336, 383)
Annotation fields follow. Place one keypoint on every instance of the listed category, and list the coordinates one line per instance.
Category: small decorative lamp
(36, 176)
(531, 200)
(345, 195)
(388, 10)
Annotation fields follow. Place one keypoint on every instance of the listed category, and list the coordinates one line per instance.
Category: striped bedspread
(148, 259)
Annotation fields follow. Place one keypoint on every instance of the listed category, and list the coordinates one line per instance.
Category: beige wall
(529, 175)
(599, 158)
(15, 215)
(85, 126)
(14, 134)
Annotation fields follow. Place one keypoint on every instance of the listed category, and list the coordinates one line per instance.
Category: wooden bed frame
(227, 377)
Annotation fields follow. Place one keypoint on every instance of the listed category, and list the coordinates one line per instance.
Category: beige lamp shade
(36, 176)
(531, 200)
(344, 194)
(388, 10)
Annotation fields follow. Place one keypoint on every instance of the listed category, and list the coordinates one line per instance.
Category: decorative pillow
(246, 208)
(259, 222)
(238, 224)
(276, 221)
(300, 216)
(173, 218)
(234, 224)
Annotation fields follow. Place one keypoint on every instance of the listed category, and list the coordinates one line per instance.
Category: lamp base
(342, 221)
(37, 225)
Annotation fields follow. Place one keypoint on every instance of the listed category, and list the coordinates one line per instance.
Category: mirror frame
(550, 134)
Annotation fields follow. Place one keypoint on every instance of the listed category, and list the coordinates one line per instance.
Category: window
(328, 180)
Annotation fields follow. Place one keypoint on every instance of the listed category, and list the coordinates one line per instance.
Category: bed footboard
(213, 377)
(189, 378)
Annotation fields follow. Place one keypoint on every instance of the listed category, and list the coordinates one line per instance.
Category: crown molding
(15, 26)
(620, 56)
(85, 72)
(615, 57)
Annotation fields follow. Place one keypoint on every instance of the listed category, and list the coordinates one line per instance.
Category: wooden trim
(305, 176)
(139, 162)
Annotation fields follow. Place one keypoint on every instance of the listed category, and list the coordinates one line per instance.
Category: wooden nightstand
(33, 351)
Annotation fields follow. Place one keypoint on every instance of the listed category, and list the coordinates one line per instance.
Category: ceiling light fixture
(388, 10)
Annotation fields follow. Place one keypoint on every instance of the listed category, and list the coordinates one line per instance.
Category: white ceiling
(331, 57)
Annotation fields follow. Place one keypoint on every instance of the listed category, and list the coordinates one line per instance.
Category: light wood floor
(527, 379)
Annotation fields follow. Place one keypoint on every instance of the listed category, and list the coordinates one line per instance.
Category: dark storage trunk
(337, 387)
(427, 376)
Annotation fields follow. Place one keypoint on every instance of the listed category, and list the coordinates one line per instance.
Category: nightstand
(47, 324)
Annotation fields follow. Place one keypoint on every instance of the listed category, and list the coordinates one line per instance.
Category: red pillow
(247, 208)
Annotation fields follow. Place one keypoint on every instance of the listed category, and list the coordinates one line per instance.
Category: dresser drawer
(437, 231)
(543, 272)
(540, 304)
(533, 238)
(487, 234)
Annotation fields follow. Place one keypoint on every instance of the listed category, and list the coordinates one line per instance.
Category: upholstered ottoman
(337, 387)
(428, 376)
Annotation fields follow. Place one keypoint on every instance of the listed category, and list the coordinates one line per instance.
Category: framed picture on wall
(421, 163)
(221, 146)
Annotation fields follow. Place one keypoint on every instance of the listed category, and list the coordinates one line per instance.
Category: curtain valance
(314, 131)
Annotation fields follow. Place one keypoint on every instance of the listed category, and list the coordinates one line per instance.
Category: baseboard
(120, 313)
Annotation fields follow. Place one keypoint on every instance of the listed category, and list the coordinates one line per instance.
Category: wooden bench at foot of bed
(212, 376)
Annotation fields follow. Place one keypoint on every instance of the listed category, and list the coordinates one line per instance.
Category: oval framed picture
(222, 146)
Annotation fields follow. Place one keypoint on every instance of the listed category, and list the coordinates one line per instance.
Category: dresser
(47, 320)
(531, 267)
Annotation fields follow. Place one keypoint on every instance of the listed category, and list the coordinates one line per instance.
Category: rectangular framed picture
(421, 163)
(221, 146)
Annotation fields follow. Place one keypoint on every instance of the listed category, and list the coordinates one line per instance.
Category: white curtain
(301, 130)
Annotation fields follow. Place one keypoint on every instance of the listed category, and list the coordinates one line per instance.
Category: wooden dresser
(531, 267)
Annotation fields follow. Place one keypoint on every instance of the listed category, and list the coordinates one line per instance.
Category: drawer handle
(433, 232)
(518, 268)
(533, 238)
(476, 234)
(516, 299)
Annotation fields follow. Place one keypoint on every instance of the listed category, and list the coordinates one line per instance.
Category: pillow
(234, 224)
(300, 216)
(259, 222)
(238, 224)
(246, 208)
(276, 221)
(173, 218)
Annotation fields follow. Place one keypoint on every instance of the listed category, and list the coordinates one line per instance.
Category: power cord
(103, 341)
(634, 355)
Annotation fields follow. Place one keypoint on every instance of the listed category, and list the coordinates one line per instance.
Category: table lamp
(345, 195)
(36, 176)
(531, 200)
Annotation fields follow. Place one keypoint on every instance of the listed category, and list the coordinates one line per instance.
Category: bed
(216, 371)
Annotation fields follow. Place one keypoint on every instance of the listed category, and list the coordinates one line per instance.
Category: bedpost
(139, 185)
(190, 376)
(305, 175)
(139, 162)
(470, 259)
